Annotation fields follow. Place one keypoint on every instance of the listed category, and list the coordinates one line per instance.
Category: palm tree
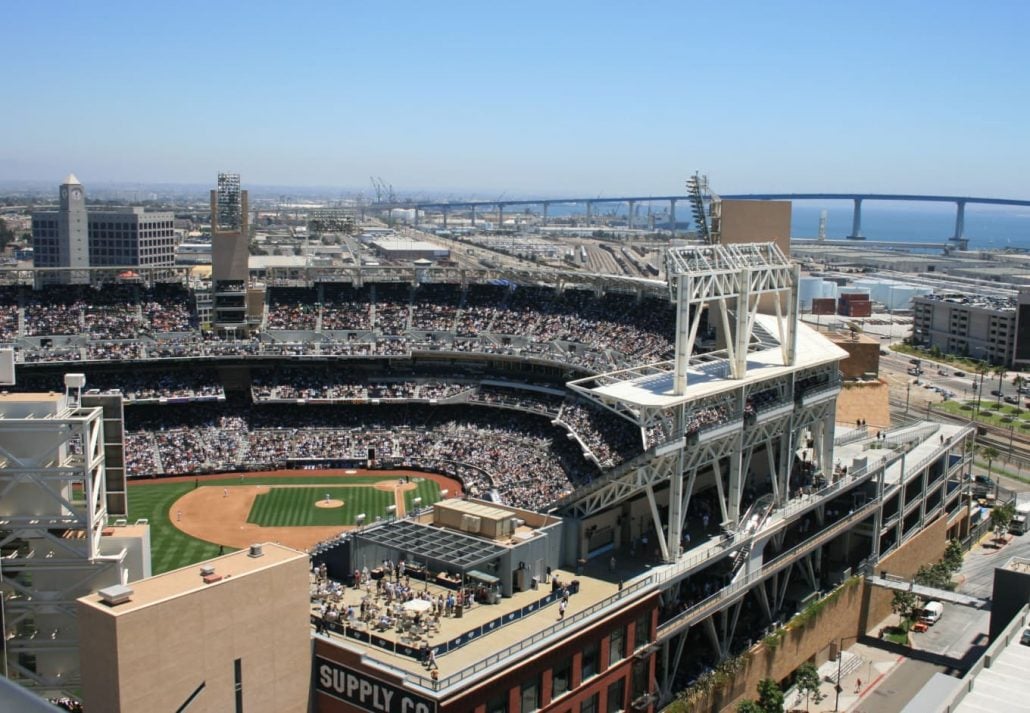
(990, 453)
(982, 369)
(1001, 372)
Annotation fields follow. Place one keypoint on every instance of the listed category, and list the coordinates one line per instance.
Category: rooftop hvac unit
(470, 523)
(114, 595)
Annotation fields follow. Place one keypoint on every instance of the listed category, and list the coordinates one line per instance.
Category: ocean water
(988, 227)
(996, 227)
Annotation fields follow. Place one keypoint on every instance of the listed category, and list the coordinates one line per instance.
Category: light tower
(230, 232)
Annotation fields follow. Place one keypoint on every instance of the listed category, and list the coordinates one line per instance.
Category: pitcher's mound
(331, 503)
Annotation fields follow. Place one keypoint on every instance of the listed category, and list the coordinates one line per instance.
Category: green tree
(1002, 373)
(953, 556)
(806, 678)
(6, 234)
(748, 707)
(990, 453)
(1019, 381)
(936, 575)
(903, 603)
(1001, 516)
(770, 697)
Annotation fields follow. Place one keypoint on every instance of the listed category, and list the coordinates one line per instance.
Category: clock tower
(73, 229)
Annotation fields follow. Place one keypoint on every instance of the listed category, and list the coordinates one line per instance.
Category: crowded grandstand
(495, 414)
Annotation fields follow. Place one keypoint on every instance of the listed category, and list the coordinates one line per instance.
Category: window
(616, 693)
(590, 704)
(617, 645)
(498, 704)
(589, 667)
(530, 699)
(642, 637)
(561, 680)
(640, 686)
(238, 666)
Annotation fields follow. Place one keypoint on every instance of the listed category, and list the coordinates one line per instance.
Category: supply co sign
(367, 693)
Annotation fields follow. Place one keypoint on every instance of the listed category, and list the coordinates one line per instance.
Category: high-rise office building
(61, 238)
(75, 237)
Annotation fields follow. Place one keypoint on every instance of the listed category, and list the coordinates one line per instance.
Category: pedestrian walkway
(862, 669)
(927, 593)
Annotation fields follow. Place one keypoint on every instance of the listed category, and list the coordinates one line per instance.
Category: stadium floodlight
(444, 493)
(359, 519)
(391, 510)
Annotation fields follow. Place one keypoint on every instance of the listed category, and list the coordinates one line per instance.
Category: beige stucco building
(230, 634)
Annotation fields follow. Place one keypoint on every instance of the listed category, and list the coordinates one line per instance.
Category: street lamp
(840, 659)
(908, 394)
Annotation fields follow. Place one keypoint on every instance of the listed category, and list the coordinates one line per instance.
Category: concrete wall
(155, 657)
(756, 222)
(869, 401)
(863, 355)
(925, 548)
(229, 253)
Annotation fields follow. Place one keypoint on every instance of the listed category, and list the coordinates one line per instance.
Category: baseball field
(192, 519)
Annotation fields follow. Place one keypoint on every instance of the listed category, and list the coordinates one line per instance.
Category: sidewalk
(871, 666)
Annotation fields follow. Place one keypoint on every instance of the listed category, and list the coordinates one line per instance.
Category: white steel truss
(53, 509)
(733, 279)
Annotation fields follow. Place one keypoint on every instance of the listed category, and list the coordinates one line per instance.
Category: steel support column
(856, 222)
(960, 221)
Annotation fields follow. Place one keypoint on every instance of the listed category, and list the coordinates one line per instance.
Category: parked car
(1025, 639)
(960, 373)
(914, 361)
(1011, 400)
(995, 392)
(982, 486)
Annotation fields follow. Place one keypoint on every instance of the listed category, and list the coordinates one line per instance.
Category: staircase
(750, 523)
(159, 465)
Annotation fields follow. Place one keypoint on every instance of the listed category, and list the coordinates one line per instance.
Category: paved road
(895, 691)
(954, 642)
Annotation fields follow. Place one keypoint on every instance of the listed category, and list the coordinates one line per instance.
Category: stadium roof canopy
(446, 549)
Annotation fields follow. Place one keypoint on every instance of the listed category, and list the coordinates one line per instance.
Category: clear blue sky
(588, 98)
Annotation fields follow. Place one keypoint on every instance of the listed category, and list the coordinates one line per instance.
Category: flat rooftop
(1004, 686)
(188, 580)
(712, 377)
(927, 448)
(33, 396)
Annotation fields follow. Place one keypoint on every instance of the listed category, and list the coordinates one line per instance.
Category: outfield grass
(171, 548)
(295, 507)
(428, 490)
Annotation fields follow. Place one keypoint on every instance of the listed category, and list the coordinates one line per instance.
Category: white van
(931, 613)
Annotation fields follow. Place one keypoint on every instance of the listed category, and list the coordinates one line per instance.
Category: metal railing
(505, 654)
(857, 434)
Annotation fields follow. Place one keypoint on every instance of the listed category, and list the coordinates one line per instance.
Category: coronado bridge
(957, 239)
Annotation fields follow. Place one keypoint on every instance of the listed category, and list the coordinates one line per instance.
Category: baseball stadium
(591, 490)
